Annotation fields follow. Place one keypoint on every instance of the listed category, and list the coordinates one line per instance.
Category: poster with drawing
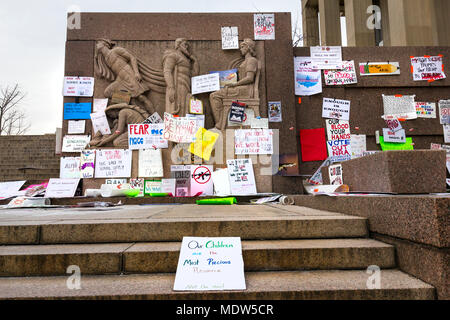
(308, 80)
(264, 26)
(87, 164)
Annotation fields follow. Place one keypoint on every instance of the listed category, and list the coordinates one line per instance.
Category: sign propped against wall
(210, 264)
(75, 143)
(326, 57)
(146, 136)
(78, 87)
(115, 163)
(69, 168)
(379, 68)
(335, 174)
(264, 26)
(61, 188)
(336, 109)
(230, 38)
(201, 180)
(308, 80)
(9, 189)
(427, 68)
(242, 177)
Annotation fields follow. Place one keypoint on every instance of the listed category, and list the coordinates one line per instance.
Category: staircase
(132, 252)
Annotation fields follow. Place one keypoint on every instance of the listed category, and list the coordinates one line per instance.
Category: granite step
(157, 257)
(281, 285)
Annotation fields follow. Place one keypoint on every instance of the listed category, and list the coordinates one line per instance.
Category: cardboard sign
(259, 123)
(115, 163)
(77, 111)
(444, 111)
(230, 38)
(150, 163)
(182, 174)
(78, 87)
(75, 143)
(337, 129)
(195, 106)
(394, 137)
(100, 123)
(336, 109)
(308, 80)
(241, 176)
(394, 125)
(146, 136)
(87, 164)
(69, 168)
(180, 130)
(399, 107)
(275, 111)
(326, 57)
(168, 186)
(339, 150)
(227, 76)
(154, 118)
(253, 141)
(205, 83)
(379, 69)
(61, 188)
(76, 126)
(358, 145)
(335, 174)
(221, 182)
(9, 189)
(137, 184)
(237, 112)
(427, 68)
(346, 75)
(204, 143)
(426, 109)
(264, 26)
(210, 264)
(100, 104)
(201, 180)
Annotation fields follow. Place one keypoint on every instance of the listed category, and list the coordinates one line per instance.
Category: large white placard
(399, 107)
(113, 163)
(61, 188)
(336, 109)
(69, 168)
(308, 80)
(253, 141)
(326, 57)
(210, 264)
(205, 83)
(264, 26)
(10, 188)
(75, 143)
(241, 176)
(230, 38)
(100, 123)
(427, 68)
(179, 129)
(78, 87)
(150, 163)
(76, 126)
(146, 136)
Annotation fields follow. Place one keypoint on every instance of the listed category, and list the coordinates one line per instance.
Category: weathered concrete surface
(260, 285)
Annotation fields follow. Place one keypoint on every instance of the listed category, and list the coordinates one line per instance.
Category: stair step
(157, 257)
(321, 284)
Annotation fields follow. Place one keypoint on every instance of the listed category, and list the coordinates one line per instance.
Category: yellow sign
(204, 143)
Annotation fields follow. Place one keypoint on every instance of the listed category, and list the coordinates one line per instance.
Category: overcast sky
(33, 35)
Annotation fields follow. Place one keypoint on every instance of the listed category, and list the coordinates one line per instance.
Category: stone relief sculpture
(122, 115)
(245, 90)
(179, 65)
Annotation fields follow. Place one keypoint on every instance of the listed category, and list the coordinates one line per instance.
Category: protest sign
(100, 104)
(337, 129)
(394, 125)
(326, 57)
(146, 136)
(241, 176)
(154, 118)
(69, 167)
(336, 109)
(204, 143)
(345, 75)
(201, 180)
(275, 111)
(227, 76)
(379, 68)
(253, 141)
(9, 189)
(179, 129)
(195, 106)
(446, 128)
(427, 68)
(61, 188)
(114, 163)
(100, 123)
(205, 83)
(182, 174)
(230, 38)
(444, 111)
(199, 119)
(221, 182)
(426, 109)
(237, 112)
(259, 123)
(75, 143)
(358, 145)
(335, 174)
(87, 164)
(77, 111)
(385, 146)
(308, 80)
(313, 144)
(339, 150)
(152, 187)
(150, 163)
(264, 26)
(168, 186)
(399, 107)
(249, 114)
(137, 184)
(78, 87)
(210, 264)
(76, 126)
(316, 178)
(394, 137)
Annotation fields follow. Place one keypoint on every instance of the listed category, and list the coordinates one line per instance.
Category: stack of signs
(87, 164)
(146, 136)
(264, 26)
(335, 173)
(150, 163)
(75, 143)
(427, 68)
(69, 168)
(201, 180)
(182, 174)
(242, 177)
(399, 107)
(398, 136)
(326, 57)
(113, 163)
(379, 68)
(100, 123)
(426, 109)
(227, 76)
(336, 109)
(308, 80)
(338, 143)
(275, 111)
(346, 75)
(205, 83)
(253, 141)
(230, 38)
(10, 189)
(179, 129)
(78, 87)
(237, 112)
(210, 264)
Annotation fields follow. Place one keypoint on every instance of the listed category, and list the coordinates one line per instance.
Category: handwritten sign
(204, 143)
(427, 68)
(114, 163)
(326, 57)
(358, 145)
(210, 264)
(180, 129)
(394, 125)
(426, 109)
(308, 80)
(195, 106)
(394, 137)
(205, 83)
(379, 69)
(201, 180)
(146, 136)
(154, 118)
(241, 176)
(77, 111)
(76, 126)
(444, 111)
(78, 87)
(75, 143)
(69, 168)
(61, 188)
(230, 38)
(336, 109)
(264, 26)
(100, 104)
(339, 150)
(275, 111)
(253, 141)
(87, 164)
(399, 107)
(150, 163)
(335, 174)
(100, 123)
(346, 75)
(337, 129)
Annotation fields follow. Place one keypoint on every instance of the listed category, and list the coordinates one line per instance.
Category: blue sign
(77, 111)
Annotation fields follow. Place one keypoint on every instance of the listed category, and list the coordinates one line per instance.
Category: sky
(33, 35)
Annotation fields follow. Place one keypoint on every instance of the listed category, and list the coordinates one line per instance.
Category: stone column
(358, 32)
(330, 25)
(310, 23)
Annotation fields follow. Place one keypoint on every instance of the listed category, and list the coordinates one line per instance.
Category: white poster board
(221, 182)
(69, 168)
(210, 264)
(336, 109)
(75, 143)
(253, 141)
(326, 57)
(78, 87)
(76, 126)
(308, 80)
(146, 136)
(399, 107)
(113, 163)
(241, 176)
(205, 83)
(264, 26)
(150, 163)
(61, 188)
(10, 188)
(398, 136)
(230, 38)
(100, 123)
